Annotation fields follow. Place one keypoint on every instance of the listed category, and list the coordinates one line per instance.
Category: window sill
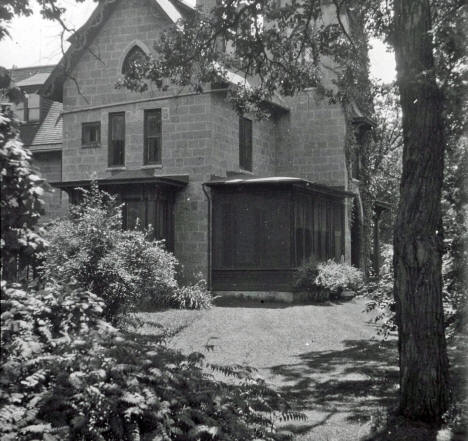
(116, 168)
(90, 146)
(248, 172)
(150, 166)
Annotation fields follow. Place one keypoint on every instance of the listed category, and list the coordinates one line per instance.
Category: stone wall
(312, 141)
(225, 154)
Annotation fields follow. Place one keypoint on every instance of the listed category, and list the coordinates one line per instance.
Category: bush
(195, 296)
(124, 268)
(380, 295)
(338, 277)
(67, 375)
(328, 279)
(20, 204)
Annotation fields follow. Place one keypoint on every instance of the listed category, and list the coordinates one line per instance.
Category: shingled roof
(38, 79)
(50, 133)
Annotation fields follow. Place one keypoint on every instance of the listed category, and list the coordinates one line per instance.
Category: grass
(322, 358)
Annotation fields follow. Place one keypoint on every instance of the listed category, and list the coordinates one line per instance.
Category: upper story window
(135, 56)
(117, 139)
(91, 134)
(153, 137)
(245, 144)
(29, 109)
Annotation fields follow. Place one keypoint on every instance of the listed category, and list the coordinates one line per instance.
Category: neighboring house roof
(82, 38)
(21, 73)
(37, 79)
(51, 129)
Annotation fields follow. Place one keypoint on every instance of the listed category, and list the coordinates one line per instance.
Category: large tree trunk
(418, 230)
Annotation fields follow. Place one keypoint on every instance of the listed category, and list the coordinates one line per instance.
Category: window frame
(135, 54)
(245, 144)
(86, 125)
(147, 137)
(111, 154)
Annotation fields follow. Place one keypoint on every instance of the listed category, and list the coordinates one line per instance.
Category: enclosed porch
(263, 229)
(146, 200)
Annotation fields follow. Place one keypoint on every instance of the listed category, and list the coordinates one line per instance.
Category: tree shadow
(230, 302)
(358, 379)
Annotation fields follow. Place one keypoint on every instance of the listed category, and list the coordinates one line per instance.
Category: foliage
(66, 375)
(306, 275)
(192, 296)
(379, 292)
(337, 277)
(380, 295)
(327, 279)
(121, 267)
(20, 203)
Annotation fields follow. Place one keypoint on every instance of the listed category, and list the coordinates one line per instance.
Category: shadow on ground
(357, 381)
(230, 302)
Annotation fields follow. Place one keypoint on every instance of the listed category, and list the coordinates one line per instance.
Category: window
(135, 57)
(29, 109)
(145, 205)
(91, 134)
(33, 107)
(251, 230)
(245, 144)
(318, 228)
(152, 147)
(116, 138)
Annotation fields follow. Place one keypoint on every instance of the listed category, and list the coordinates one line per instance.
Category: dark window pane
(91, 134)
(153, 137)
(245, 144)
(117, 139)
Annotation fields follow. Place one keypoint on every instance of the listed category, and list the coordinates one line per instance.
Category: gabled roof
(18, 74)
(82, 38)
(51, 129)
(37, 79)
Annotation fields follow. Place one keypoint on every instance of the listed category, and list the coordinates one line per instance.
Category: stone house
(240, 201)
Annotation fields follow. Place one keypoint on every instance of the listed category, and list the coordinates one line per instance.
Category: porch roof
(281, 181)
(128, 177)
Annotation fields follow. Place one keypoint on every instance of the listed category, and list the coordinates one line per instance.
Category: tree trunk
(418, 229)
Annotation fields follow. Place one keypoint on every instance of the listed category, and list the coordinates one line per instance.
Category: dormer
(33, 108)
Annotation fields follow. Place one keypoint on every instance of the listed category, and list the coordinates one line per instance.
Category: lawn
(323, 358)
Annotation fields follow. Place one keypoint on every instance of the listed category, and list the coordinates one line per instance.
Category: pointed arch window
(135, 56)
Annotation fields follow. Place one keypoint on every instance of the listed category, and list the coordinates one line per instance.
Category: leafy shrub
(380, 295)
(306, 275)
(67, 375)
(20, 204)
(327, 279)
(337, 277)
(121, 267)
(195, 296)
